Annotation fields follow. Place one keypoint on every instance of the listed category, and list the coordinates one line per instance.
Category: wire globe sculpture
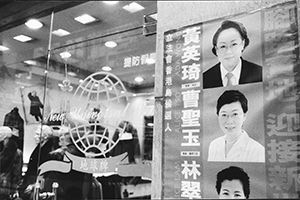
(101, 87)
(92, 138)
(94, 142)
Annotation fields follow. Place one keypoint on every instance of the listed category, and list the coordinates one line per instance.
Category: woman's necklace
(231, 142)
(229, 145)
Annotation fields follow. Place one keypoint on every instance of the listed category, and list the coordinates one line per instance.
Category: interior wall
(173, 15)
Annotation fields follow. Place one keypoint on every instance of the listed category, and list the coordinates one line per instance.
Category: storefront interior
(79, 70)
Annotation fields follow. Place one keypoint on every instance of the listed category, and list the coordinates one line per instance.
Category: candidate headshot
(233, 183)
(229, 43)
(235, 145)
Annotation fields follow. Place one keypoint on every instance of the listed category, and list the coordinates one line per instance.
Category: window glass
(79, 107)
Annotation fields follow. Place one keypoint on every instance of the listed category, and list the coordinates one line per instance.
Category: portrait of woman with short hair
(229, 43)
(233, 183)
(236, 145)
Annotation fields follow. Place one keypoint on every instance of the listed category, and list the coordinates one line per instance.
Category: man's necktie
(229, 79)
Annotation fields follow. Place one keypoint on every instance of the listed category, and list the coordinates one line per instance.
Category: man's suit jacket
(250, 73)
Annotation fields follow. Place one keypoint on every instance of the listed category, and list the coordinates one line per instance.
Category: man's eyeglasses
(222, 48)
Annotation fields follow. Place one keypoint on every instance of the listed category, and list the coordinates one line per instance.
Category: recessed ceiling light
(34, 24)
(3, 48)
(65, 55)
(106, 68)
(133, 7)
(154, 16)
(150, 124)
(60, 32)
(85, 19)
(110, 44)
(30, 62)
(111, 2)
(22, 38)
(72, 74)
(138, 79)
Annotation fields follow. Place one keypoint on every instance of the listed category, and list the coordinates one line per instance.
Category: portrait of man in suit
(229, 43)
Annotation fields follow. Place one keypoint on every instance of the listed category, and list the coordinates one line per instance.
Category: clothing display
(131, 146)
(35, 106)
(111, 186)
(245, 149)
(72, 185)
(250, 73)
(37, 157)
(10, 169)
(14, 120)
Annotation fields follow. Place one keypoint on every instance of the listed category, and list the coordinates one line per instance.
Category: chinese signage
(182, 118)
(281, 99)
(101, 166)
(135, 61)
(205, 131)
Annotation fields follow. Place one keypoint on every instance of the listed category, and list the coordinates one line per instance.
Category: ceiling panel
(85, 43)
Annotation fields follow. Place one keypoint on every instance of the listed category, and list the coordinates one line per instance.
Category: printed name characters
(182, 114)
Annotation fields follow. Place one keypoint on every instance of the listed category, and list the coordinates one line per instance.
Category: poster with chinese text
(231, 102)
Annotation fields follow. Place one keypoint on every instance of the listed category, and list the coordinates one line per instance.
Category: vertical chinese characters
(282, 119)
(191, 113)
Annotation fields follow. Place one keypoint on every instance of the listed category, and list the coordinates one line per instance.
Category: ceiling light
(65, 55)
(138, 79)
(60, 32)
(22, 38)
(106, 68)
(72, 74)
(110, 44)
(30, 62)
(85, 19)
(133, 7)
(34, 24)
(154, 16)
(111, 2)
(150, 124)
(81, 81)
(3, 48)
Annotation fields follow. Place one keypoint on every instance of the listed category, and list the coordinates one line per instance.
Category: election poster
(231, 106)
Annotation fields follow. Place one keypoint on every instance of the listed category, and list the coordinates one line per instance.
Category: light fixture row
(84, 19)
(35, 24)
